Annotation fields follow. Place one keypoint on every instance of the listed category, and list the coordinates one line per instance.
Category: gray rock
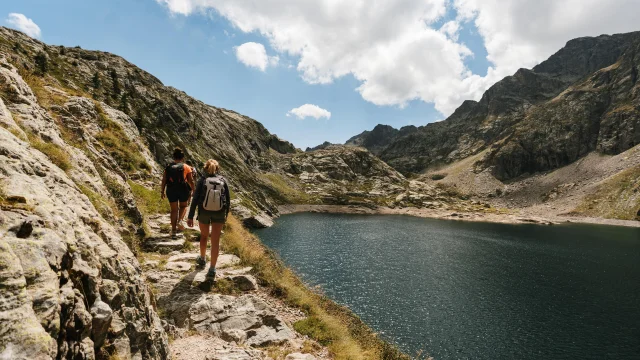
(300, 356)
(227, 260)
(244, 282)
(258, 221)
(101, 316)
(178, 266)
(245, 319)
(164, 245)
(236, 354)
(183, 257)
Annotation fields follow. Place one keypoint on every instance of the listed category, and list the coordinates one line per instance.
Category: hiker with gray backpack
(213, 200)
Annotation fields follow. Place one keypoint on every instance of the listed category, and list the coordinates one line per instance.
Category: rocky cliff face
(380, 137)
(71, 287)
(583, 98)
(349, 175)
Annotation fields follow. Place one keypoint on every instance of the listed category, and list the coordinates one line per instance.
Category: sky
(325, 70)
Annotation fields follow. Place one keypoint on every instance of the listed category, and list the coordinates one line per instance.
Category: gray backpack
(214, 194)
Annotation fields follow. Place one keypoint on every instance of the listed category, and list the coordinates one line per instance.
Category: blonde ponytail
(211, 167)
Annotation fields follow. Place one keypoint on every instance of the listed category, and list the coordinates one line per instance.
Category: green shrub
(315, 328)
(42, 63)
(96, 81)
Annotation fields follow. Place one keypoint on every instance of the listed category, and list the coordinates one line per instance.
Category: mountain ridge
(477, 125)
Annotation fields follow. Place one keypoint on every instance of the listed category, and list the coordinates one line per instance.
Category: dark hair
(178, 154)
(189, 162)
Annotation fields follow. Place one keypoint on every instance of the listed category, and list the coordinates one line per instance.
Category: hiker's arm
(190, 181)
(195, 200)
(227, 199)
(163, 185)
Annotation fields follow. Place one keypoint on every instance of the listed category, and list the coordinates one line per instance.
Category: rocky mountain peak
(582, 81)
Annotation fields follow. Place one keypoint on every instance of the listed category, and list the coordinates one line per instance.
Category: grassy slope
(616, 198)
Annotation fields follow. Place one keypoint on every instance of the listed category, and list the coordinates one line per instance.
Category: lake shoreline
(454, 215)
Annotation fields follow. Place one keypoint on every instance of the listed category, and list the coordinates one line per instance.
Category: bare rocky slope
(585, 99)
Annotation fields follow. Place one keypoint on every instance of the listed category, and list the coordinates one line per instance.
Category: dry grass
(55, 153)
(616, 198)
(124, 151)
(346, 336)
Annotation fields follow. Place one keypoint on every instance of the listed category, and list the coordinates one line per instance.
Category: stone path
(229, 318)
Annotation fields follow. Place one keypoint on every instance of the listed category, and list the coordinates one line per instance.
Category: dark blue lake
(461, 290)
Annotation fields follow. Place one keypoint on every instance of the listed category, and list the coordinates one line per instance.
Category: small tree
(116, 82)
(42, 64)
(139, 119)
(124, 103)
(96, 81)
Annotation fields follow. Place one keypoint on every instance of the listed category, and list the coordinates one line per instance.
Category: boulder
(258, 221)
(244, 282)
(101, 315)
(246, 319)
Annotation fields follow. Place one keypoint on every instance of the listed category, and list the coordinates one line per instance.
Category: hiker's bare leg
(204, 235)
(215, 243)
(183, 212)
(174, 216)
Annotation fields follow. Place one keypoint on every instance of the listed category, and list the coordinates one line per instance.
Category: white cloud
(24, 24)
(309, 110)
(522, 33)
(255, 55)
(451, 29)
(394, 49)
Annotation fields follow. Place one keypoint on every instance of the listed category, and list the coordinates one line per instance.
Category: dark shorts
(181, 194)
(211, 217)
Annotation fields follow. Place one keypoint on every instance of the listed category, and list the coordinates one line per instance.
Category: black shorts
(180, 194)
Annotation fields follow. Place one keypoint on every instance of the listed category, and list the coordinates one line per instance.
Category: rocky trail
(229, 318)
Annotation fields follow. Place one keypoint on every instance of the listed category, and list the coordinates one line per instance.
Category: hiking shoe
(200, 262)
(174, 236)
(211, 273)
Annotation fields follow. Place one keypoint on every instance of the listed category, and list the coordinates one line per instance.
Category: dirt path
(231, 318)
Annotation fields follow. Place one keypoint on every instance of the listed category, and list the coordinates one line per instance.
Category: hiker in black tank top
(177, 185)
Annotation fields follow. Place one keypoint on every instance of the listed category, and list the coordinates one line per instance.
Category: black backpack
(175, 175)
